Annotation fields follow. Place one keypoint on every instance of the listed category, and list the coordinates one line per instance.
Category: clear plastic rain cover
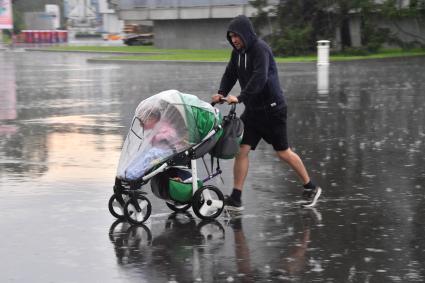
(164, 124)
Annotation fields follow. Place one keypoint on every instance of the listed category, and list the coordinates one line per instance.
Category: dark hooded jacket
(255, 69)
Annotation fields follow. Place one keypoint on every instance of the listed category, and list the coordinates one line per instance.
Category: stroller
(168, 133)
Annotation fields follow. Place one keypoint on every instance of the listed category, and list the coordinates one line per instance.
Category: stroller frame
(129, 201)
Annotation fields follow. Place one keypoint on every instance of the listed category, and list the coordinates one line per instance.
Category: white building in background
(202, 23)
(81, 16)
(39, 21)
(54, 12)
(91, 16)
(110, 21)
(195, 24)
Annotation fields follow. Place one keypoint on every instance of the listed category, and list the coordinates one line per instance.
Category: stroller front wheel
(116, 206)
(208, 202)
(138, 209)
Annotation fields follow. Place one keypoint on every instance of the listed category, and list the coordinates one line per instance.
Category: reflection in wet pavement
(361, 135)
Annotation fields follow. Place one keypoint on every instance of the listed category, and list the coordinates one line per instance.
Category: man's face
(236, 40)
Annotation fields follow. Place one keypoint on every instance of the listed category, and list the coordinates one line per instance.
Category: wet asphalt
(358, 126)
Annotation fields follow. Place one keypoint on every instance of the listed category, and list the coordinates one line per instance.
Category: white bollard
(323, 79)
(323, 52)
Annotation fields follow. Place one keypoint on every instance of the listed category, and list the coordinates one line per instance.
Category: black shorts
(270, 126)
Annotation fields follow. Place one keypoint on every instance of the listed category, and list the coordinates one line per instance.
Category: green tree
(262, 18)
(392, 11)
(299, 24)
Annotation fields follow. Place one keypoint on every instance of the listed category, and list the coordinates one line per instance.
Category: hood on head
(242, 26)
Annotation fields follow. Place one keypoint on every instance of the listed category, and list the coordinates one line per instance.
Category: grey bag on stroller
(227, 145)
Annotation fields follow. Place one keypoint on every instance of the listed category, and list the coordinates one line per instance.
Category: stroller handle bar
(233, 105)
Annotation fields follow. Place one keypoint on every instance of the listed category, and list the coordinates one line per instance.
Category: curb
(95, 52)
(119, 61)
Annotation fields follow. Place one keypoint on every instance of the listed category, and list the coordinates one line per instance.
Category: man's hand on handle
(231, 99)
(218, 98)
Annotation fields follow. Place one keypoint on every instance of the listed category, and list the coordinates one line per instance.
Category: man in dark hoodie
(253, 65)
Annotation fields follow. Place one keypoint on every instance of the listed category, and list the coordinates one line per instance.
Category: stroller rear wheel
(138, 209)
(116, 205)
(178, 208)
(208, 202)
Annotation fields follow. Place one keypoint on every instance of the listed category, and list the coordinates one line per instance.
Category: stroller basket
(171, 185)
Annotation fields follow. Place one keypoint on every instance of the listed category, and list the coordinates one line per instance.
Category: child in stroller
(169, 132)
(159, 134)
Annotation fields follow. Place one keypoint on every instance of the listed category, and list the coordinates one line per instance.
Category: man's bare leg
(240, 167)
(240, 171)
(296, 164)
(311, 192)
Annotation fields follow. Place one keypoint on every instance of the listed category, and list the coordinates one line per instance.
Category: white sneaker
(313, 196)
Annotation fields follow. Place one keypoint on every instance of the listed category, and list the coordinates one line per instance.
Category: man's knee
(284, 154)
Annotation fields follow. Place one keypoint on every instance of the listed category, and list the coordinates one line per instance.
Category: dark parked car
(138, 39)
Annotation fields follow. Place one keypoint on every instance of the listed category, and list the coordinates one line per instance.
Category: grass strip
(217, 55)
